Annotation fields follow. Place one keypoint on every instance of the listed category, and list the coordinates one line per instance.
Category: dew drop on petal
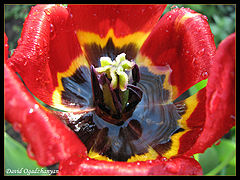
(30, 152)
(52, 32)
(19, 41)
(25, 63)
(194, 61)
(201, 52)
(17, 126)
(204, 17)
(217, 142)
(173, 7)
(36, 106)
(169, 17)
(47, 12)
(172, 168)
(30, 111)
(205, 75)
(163, 159)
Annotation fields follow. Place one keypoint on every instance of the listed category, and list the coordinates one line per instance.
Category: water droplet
(138, 163)
(217, 142)
(205, 75)
(172, 168)
(19, 41)
(36, 106)
(201, 52)
(173, 7)
(47, 12)
(143, 10)
(30, 152)
(40, 52)
(194, 61)
(166, 30)
(52, 32)
(164, 159)
(25, 63)
(169, 17)
(204, 17)
(30, 110)
(17, 126)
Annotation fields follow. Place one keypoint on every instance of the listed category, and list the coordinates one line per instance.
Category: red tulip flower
(113, 75)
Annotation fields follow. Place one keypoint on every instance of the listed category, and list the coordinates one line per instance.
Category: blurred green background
(220, 159)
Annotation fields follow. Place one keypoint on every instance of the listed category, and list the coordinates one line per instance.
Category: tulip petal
(47, 46)
(220, 102)
(123, 19)
(49, 140)
(108, 30)
(182, 39)
(5, 47)
(88, 166)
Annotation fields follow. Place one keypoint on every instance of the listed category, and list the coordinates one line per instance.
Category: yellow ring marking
(56, 98)
(137, 38)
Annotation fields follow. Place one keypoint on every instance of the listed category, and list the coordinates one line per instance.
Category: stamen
(115, 97)
(116, 70)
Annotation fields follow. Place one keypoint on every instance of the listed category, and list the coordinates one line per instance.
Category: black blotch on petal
(94, 51)
(76, 89)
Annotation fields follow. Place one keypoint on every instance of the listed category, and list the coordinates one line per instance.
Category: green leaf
(224, 149)
(230, 170)
(223, 165)
(17, 161)
(209, 159)
(219, 159)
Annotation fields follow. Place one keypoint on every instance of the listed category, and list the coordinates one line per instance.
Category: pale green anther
(114, 81)
(123, 81)
(121, 57)
(115, 70)
(127, 64)
(105, 61)
(103, 69)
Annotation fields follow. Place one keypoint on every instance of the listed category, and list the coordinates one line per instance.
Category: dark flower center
(132, 117)
(114, 98)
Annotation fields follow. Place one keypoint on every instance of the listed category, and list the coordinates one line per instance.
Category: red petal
(123, 19)
(183, 40)
(49, 139)
(192, 121)
(108, 30)
(5, 47)
(47, 45)
(220, 103)
(87, 166)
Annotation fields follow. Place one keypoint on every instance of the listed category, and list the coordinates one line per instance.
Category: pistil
(115, 93)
